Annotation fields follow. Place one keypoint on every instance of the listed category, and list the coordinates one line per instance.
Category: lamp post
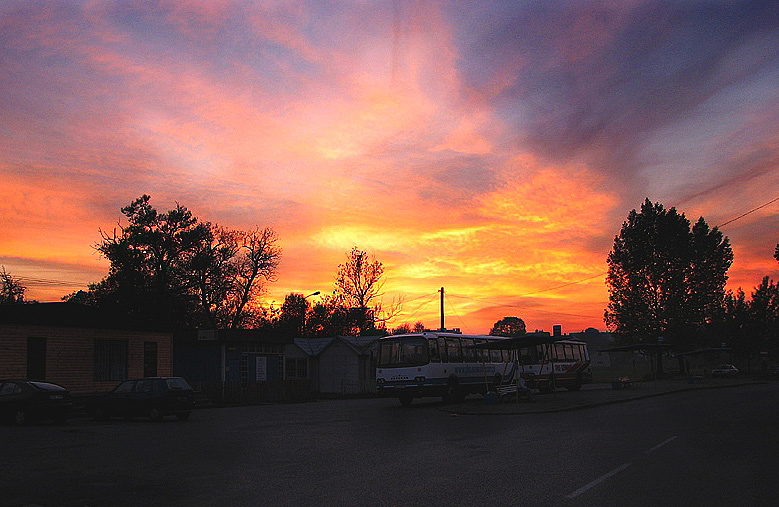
(312, 294)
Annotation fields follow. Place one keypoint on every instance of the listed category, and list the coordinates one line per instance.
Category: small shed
(338, 365)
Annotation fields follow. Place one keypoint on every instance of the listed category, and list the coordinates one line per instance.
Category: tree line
(171, 270)
(666, 282)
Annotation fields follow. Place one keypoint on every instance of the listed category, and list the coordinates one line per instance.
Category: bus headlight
(419, 379)
(379, 380)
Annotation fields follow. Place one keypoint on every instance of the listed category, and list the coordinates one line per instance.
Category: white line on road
(617, 470)
(653, 449)
(598, 481)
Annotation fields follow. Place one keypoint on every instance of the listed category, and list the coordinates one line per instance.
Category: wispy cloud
(493, 148)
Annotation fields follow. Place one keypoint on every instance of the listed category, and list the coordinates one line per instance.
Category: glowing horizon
(493, 150)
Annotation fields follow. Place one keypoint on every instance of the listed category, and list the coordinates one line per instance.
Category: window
(413, 352)
(496, 356)
(442, 350)
(453, 350)
(125, 387)
(144, 386)
(110, 360)
(432, 345)
(297, 367)
(528, 355)
(149, 359)
(10, 388)
(36, 358)
(469, 353)
(482, 355)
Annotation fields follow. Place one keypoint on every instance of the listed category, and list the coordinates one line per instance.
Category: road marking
(653, 449)
(617, 470)
(598, 481)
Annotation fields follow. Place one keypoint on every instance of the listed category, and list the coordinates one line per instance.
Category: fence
(250, 393)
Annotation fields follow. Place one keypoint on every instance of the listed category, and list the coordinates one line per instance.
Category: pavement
(590, 395)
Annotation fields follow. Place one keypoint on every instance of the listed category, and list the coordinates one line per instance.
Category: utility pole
(443, 328)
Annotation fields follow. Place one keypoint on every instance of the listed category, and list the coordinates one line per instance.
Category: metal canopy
(517, 342)
(636, 346)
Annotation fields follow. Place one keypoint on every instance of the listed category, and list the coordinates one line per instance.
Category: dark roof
(519, 342)
(262, 335)
(635, 346)
(703, 351)
(66, 315)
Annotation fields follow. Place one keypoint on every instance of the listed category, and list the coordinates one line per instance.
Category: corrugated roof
(361, 345)
(313, 346)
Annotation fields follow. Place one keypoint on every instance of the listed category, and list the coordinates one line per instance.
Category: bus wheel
(452, 392)
(406, 400)
(577, 385)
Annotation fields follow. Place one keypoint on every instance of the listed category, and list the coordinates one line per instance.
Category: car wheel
(21, 417)
(155, 414)
(100, 414)
(183, 416)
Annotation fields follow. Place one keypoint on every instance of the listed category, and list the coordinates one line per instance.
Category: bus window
(432, 346)
(495, 356)
(528, 355)
(577, 352)
(385, 353)
(453, 350)
(469, 354)
(413, 352)
(506, 355)
(482, 355)
(442, 350)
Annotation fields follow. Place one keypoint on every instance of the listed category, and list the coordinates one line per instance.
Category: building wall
(70, 354)
(339, 370)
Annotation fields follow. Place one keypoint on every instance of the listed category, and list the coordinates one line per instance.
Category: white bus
(453, 365)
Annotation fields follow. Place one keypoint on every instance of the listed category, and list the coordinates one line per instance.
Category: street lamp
(312, 294)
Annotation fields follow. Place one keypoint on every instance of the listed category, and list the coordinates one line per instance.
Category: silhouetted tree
(508, 326)
(358, 284)
(294, 314)
(11, 289)
(406, 328)
(664, 278)
(172, 270)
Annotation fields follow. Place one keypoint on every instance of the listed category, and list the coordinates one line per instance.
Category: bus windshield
(403, 352)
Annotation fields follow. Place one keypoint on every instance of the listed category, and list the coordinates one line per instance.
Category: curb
(594, 404)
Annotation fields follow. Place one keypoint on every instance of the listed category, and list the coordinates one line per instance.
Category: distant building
(238, 365)
(86, 349)
(339, 365)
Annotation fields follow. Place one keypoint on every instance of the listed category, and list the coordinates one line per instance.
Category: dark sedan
(152, 397)
(24, 401)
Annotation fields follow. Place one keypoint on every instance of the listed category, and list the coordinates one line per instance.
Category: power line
(748, 213)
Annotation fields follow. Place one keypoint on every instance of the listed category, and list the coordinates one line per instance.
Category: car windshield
(47, 387)
(178, 383)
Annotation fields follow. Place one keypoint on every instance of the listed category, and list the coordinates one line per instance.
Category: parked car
(152, 397)
(24, 401)
(725, 371)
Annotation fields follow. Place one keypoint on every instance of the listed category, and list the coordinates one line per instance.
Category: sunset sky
(492, 148)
